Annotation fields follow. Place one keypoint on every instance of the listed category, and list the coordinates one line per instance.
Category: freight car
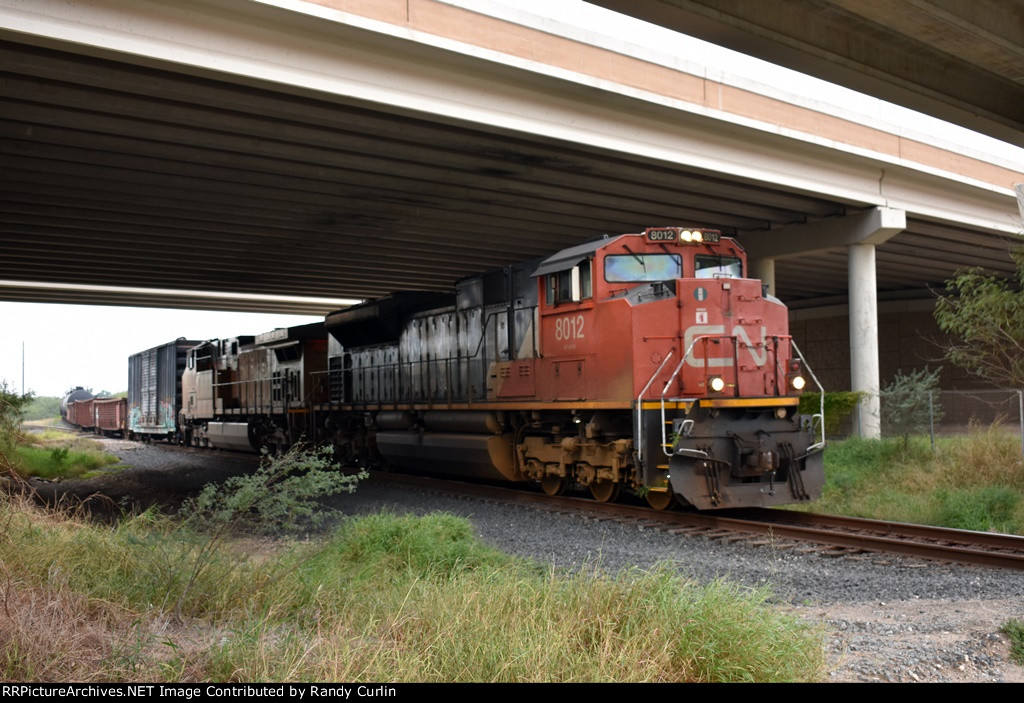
(642, 362)
(102, 415)
(110, 416)
(154, 390)
(81, 413)
(72, 396)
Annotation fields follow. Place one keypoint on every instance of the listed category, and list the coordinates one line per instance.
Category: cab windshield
(629, 268)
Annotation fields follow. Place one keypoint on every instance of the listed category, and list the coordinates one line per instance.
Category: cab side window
(718, 267)
(560, 284)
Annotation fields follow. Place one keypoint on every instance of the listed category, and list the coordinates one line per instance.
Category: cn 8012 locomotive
(641, 362)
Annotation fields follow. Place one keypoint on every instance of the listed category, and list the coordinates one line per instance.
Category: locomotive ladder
(680, 428)
(684, 425)
(640, 409)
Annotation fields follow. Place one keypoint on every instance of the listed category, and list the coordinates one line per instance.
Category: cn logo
(758, 351)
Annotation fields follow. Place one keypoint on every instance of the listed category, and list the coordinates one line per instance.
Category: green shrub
(12, 412)
(282, 495)
(839, 405)
(1014, 629)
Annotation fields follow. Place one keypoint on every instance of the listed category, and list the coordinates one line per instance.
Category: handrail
(821, 391)
(679, 367)
(820, 417)
(640, 411)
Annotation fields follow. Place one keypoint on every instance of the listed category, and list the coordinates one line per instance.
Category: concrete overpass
(347, 149)
(959, 60)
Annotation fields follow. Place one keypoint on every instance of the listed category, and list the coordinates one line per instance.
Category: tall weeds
(381, 598)
(973, 481)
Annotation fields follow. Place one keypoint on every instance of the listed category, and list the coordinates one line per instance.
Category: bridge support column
(864, 367)
(764, 269)
(859, 234)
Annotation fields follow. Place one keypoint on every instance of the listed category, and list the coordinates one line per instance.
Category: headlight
(717, 384)
(798, 383)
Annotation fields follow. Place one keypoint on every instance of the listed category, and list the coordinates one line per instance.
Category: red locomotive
(645, 362)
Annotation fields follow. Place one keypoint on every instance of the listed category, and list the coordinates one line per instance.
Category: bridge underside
(118, 174)
(962, 62)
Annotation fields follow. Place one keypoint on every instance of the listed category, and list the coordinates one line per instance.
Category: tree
(12, 411)
(43, 407)
(907, 404)
(984, 316)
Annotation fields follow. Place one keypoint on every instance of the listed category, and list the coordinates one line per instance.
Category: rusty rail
(922, 541)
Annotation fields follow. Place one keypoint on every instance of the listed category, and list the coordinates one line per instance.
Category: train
(104, 415)
(646, 363)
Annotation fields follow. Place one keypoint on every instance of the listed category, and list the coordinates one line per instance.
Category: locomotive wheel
(604, 491)
(660, 500)
(553, 485)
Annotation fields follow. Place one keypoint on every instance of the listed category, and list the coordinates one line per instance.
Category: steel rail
(943, 544)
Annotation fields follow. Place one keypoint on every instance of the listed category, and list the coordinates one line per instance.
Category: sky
(55, 361)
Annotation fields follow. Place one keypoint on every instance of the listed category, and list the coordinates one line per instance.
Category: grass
(381, 598)
(55, 453)
(973, 481)
(60, 462)
(1014, 629)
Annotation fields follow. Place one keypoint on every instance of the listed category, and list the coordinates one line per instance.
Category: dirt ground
(157, 473)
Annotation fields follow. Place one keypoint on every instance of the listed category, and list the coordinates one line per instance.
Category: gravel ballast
(887, 618)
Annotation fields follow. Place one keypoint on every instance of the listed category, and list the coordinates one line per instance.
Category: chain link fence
(951, 413)
(956, 412)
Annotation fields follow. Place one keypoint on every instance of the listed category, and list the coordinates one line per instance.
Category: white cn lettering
(699, 331)
(759, 352)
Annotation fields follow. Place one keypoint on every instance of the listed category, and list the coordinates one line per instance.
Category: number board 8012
(569, 328)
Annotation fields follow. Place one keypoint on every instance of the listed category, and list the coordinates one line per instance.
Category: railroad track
(841, 535)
